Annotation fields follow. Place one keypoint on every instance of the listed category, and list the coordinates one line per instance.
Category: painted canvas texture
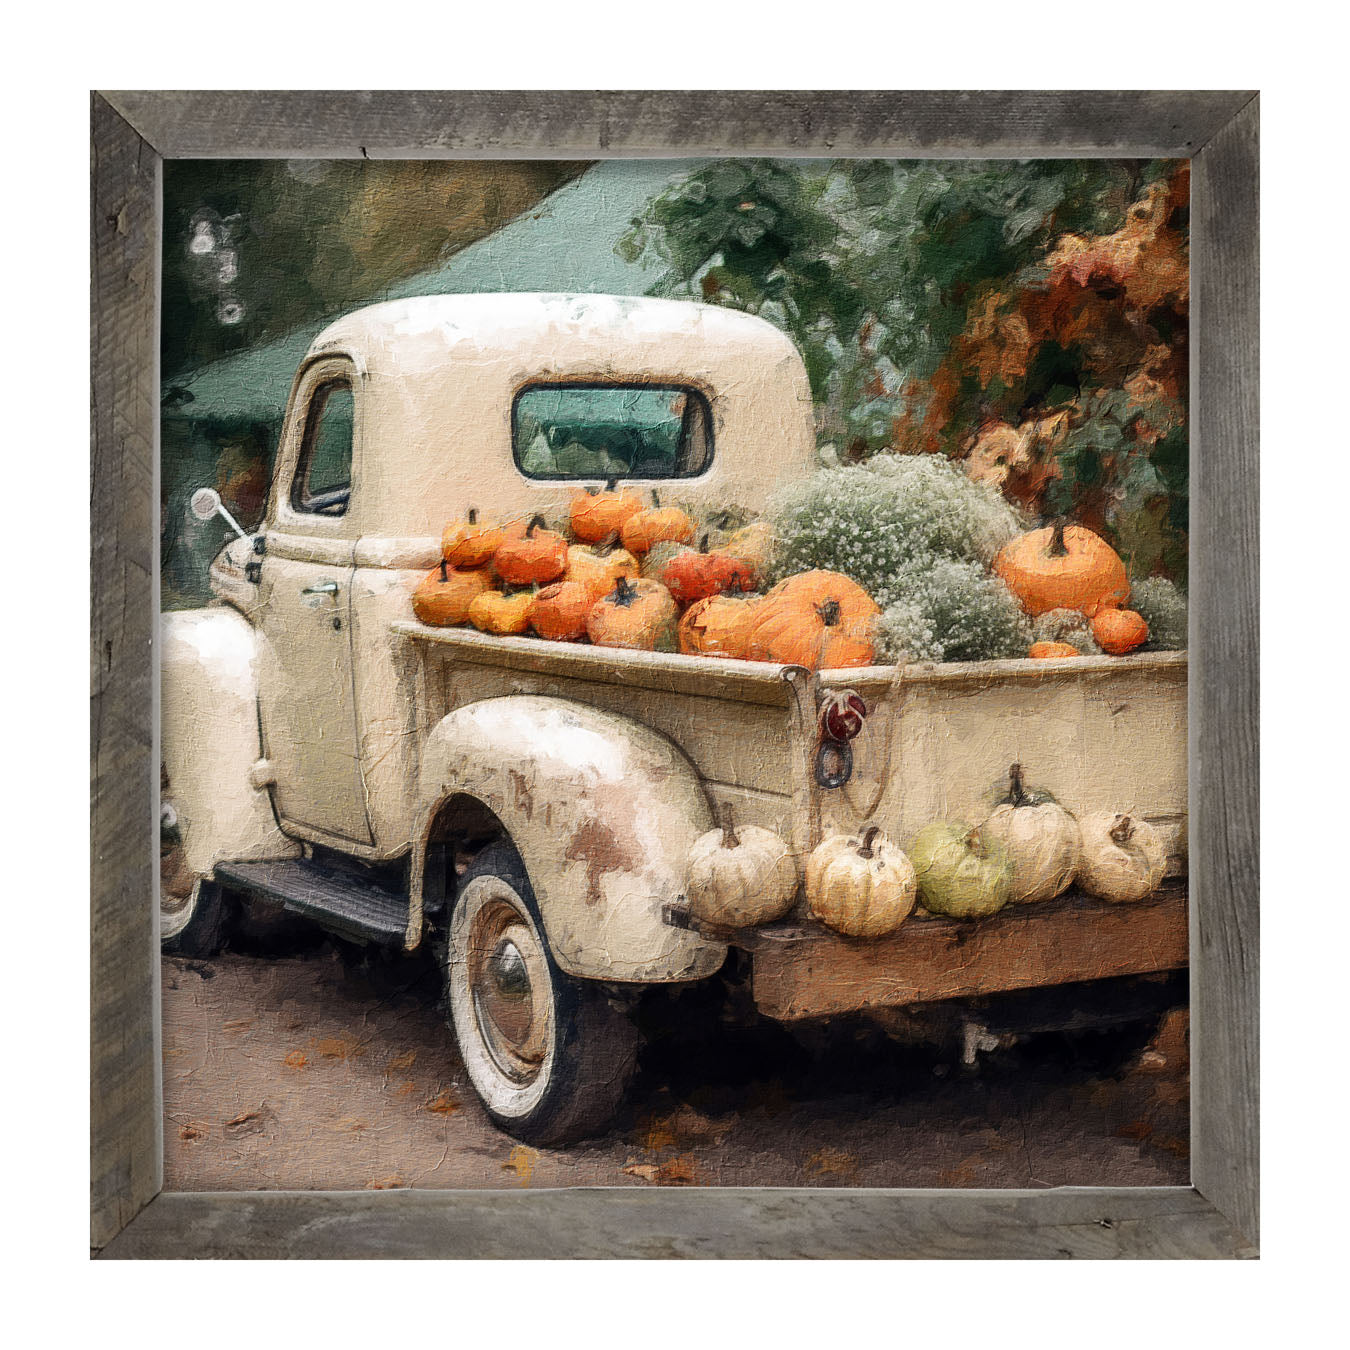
(674, 673)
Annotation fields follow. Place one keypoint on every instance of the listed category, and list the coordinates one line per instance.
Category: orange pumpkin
(1051, 651)
(1062, 567)
(695, 574)
(531, 555)
(596, 515)
(657, 524)
(820, 620)
(718, 626)
(470, 543)
(600, 567)
(1119, 630)
(559, 611)
(444, 595)
(636, 614)
(752, 544)
(497, 612)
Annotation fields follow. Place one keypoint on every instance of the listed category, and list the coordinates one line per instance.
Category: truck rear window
(611, 431)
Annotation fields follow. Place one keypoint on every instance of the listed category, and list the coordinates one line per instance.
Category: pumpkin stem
(656, 501)
(865, 849)
(975, 842)
(829, 613)
(445, 576)
(473, 515)
(1016, 790)
(624, 592)
(1122, 831)
(611, 484)
(703, 543)
(1057, 548)
(730, 839)
(607, 545)
(536, 522)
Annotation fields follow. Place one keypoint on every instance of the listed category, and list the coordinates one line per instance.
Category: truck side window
(611, 431)
(323, 477)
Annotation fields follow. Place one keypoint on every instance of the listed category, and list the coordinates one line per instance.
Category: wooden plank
(1138, 1223)
(124, 1100)
(536, 123)
(813, 972)
(677, 1223)
(657, 672)
(1225, 691)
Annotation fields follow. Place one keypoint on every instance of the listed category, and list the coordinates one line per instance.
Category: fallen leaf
(237, 1024)
(1174, 1144)
(680, 1171)
(405, 1088)
(297, 1059)
(352, 1124)
(247, 1122)
(521, 1161)
(193, 1131)
(403, 1061)
(389, 1183)
(963, 1174)
(1134, 1129)
(444, 1103)
(833, 1162)
(332, 1048)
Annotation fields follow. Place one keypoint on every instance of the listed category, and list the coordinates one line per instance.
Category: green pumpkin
(961, 874)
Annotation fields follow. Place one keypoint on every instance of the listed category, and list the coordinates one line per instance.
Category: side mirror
(205, 503)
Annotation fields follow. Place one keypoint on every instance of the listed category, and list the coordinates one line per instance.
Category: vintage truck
(529, 805)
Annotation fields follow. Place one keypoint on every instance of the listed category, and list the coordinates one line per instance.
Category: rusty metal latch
(841, 719)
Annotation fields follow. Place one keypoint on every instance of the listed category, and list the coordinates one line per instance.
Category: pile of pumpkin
(1071, 580)
(864, 886)
(630, 576)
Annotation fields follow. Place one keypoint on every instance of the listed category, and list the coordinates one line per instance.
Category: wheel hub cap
(508, 977)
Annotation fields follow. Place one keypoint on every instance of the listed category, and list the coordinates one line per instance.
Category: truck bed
(1100, 733)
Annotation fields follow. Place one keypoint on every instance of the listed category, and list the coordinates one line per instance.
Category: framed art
(580, 392)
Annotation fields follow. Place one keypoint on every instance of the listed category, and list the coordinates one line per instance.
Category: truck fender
(209, 740)
(602, 810)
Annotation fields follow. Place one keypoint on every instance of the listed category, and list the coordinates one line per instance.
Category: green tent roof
(564, 244)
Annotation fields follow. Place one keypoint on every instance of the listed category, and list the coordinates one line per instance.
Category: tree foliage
(1028, 320)
(253, 249)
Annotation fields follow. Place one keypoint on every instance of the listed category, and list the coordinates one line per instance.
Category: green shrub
(878, 522)
(948, 610)
(1164, 608)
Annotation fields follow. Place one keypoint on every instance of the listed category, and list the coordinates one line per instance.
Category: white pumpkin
(861, 886)
(739, 877)
(1123, 857)
(1041, 839)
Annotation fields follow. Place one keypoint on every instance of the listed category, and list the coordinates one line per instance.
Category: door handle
(321, 588)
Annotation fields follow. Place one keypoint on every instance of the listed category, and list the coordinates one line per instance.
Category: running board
(337, 898)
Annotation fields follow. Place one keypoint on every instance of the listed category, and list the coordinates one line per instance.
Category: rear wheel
(549, 1056)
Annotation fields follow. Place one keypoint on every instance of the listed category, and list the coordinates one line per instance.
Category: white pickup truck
(529, 805)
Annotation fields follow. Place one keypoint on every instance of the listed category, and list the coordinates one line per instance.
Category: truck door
(307, 702)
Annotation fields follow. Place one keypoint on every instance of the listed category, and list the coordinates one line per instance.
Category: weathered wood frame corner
(1217, 1216)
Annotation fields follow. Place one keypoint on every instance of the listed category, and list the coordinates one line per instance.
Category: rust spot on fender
(596, 845)
(522, 793)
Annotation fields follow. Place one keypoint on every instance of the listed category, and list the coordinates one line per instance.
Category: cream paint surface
(603, 811)
(1103, 734)
(209, 739)
(437, 376)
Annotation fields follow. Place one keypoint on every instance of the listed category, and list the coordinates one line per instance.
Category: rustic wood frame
(1217, 1216)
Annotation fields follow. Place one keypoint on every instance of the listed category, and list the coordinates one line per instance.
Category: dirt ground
(329, 1069)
